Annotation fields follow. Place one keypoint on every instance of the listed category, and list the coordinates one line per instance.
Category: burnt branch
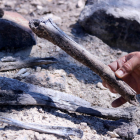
(48, 30)
(10, 63)
(14, 92)
(57, 130)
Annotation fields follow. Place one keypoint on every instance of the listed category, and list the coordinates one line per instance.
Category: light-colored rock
(55, 18)
(39, 7)
(99, 85)
(35, 2)
(25, 74)
(23, 11)
(80, 4)
(38, 69)
(113, 134)
(21, 71)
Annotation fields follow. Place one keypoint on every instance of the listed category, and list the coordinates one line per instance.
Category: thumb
(127, 67)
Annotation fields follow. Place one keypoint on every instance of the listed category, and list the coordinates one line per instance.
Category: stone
(80, 4)
(113, 134)
(99, 85)
(117, 23)
(23, 11)
(23, 70)
(55, 18)
(15, 33)
(25, 74)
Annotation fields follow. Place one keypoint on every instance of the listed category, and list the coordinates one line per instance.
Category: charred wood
(50, 31)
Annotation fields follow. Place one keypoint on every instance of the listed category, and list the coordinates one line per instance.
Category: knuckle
(127, 66)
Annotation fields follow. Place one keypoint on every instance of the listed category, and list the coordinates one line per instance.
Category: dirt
(67, 75)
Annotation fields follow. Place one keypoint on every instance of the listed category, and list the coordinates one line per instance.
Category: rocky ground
(67, 75)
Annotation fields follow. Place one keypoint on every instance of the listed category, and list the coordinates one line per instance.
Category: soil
(67, 75)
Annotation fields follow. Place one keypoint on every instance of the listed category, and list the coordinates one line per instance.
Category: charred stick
(10, 63)
(14, 92)
(57, 130)
(50, 31)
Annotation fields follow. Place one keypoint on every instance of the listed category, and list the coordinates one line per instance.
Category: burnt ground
(67, 75)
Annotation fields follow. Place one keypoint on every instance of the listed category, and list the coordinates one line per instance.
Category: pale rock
(37, 136)
(113, 134)
(40, 110)
(38, 69)
(36, 2)
(55, 18)
(39, 7)
(21, 71)
(25, 74)
(80, 4)
(23, 11)
(99, 85)
(10, 3)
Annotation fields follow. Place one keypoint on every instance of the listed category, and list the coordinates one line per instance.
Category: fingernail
(120, 73)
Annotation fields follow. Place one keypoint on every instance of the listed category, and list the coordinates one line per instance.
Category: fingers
(128, 66)
(117, 64)
(118, 102)
(124, 68)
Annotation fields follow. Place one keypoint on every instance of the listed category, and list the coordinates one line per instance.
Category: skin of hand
(126, 68)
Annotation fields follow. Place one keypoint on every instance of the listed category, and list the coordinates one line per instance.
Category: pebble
(38, 69)
(99, 85)
(35, 2)
(113, 134)
(25, 74)
(37, 136)
(40, 110)
(55, 18)
(119, 52)
(23, 70)
(39, 7)
(23, 11)
(80, 4)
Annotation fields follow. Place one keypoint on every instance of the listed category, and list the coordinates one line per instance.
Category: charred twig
(48, 30)
(57, 130)
(14, 92)
(10, 63)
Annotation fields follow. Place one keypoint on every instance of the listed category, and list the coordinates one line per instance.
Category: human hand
(126, 68)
